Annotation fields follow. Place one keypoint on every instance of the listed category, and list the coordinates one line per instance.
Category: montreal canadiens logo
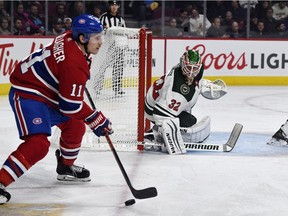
(81, 21)
(184, 89)
(37, 121)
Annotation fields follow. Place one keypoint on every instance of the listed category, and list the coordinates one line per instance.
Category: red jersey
(55, 75)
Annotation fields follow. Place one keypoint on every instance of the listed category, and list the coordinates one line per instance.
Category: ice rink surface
(252, 180)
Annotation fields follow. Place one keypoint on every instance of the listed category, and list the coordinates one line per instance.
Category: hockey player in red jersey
(48, 89)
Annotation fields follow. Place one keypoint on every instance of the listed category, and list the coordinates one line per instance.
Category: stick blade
(145, 193)
(233, 138)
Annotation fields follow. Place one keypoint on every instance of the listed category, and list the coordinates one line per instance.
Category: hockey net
(120, 77)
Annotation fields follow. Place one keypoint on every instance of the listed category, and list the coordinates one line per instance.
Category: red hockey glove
(99, 123)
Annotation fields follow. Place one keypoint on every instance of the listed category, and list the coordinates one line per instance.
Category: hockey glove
(213, 90)
(99, 123)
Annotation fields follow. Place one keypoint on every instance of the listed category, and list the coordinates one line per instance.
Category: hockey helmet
(86, 25)
(190, 63)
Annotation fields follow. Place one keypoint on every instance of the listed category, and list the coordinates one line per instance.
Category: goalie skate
(149, 136)
(278, 139)
(4, 195)
(71, 173)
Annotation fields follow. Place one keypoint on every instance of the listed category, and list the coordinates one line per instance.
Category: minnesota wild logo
(184, 89)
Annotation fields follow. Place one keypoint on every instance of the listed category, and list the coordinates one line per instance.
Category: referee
(109, 19)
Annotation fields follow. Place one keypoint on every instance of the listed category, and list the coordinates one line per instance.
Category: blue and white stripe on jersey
(69, 106)
(43, 73)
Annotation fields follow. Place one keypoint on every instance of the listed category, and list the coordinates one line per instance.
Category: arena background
(237, 62)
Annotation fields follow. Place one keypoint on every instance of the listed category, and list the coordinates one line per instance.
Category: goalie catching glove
(213, 90)
(99, 123)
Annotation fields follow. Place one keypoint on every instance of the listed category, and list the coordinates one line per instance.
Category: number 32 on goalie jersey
(157, 86)
(174, 105)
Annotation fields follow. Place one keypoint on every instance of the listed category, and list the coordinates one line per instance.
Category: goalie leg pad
(172, 136)
(198, 132)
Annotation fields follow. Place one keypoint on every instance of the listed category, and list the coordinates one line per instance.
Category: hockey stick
(227, 147)
(139, 194)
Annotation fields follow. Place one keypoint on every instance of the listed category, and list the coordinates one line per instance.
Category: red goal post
(145, 72)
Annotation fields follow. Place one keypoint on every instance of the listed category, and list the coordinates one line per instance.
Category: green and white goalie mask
(191, 64)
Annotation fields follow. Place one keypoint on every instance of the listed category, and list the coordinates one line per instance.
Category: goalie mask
(191, 64)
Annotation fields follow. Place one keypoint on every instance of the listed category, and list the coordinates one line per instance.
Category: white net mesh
(114, 88)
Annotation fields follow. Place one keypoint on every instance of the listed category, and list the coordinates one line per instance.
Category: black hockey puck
(130, 202)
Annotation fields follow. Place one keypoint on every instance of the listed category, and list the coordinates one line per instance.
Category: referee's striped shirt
(109, 20)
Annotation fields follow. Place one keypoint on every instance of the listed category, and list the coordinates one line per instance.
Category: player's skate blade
(4, 196)
(72, 178)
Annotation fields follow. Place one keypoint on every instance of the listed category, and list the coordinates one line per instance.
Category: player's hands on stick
(99, 123)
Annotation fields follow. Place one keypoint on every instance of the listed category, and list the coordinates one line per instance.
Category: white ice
(252, 180)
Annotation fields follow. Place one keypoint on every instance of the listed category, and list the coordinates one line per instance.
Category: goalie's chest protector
(188, 94)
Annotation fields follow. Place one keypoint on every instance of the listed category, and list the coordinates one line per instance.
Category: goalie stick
(227, 147)
(139, 194)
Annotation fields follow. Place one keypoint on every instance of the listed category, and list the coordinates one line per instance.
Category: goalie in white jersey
(170, 99)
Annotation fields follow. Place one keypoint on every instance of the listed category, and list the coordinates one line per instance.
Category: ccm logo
(37, 121)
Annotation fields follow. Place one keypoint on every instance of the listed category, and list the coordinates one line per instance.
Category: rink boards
(237, 62)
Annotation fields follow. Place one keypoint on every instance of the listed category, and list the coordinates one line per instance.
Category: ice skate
(71, 173)
(278, 139)
(4, 195)
(149, 136)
